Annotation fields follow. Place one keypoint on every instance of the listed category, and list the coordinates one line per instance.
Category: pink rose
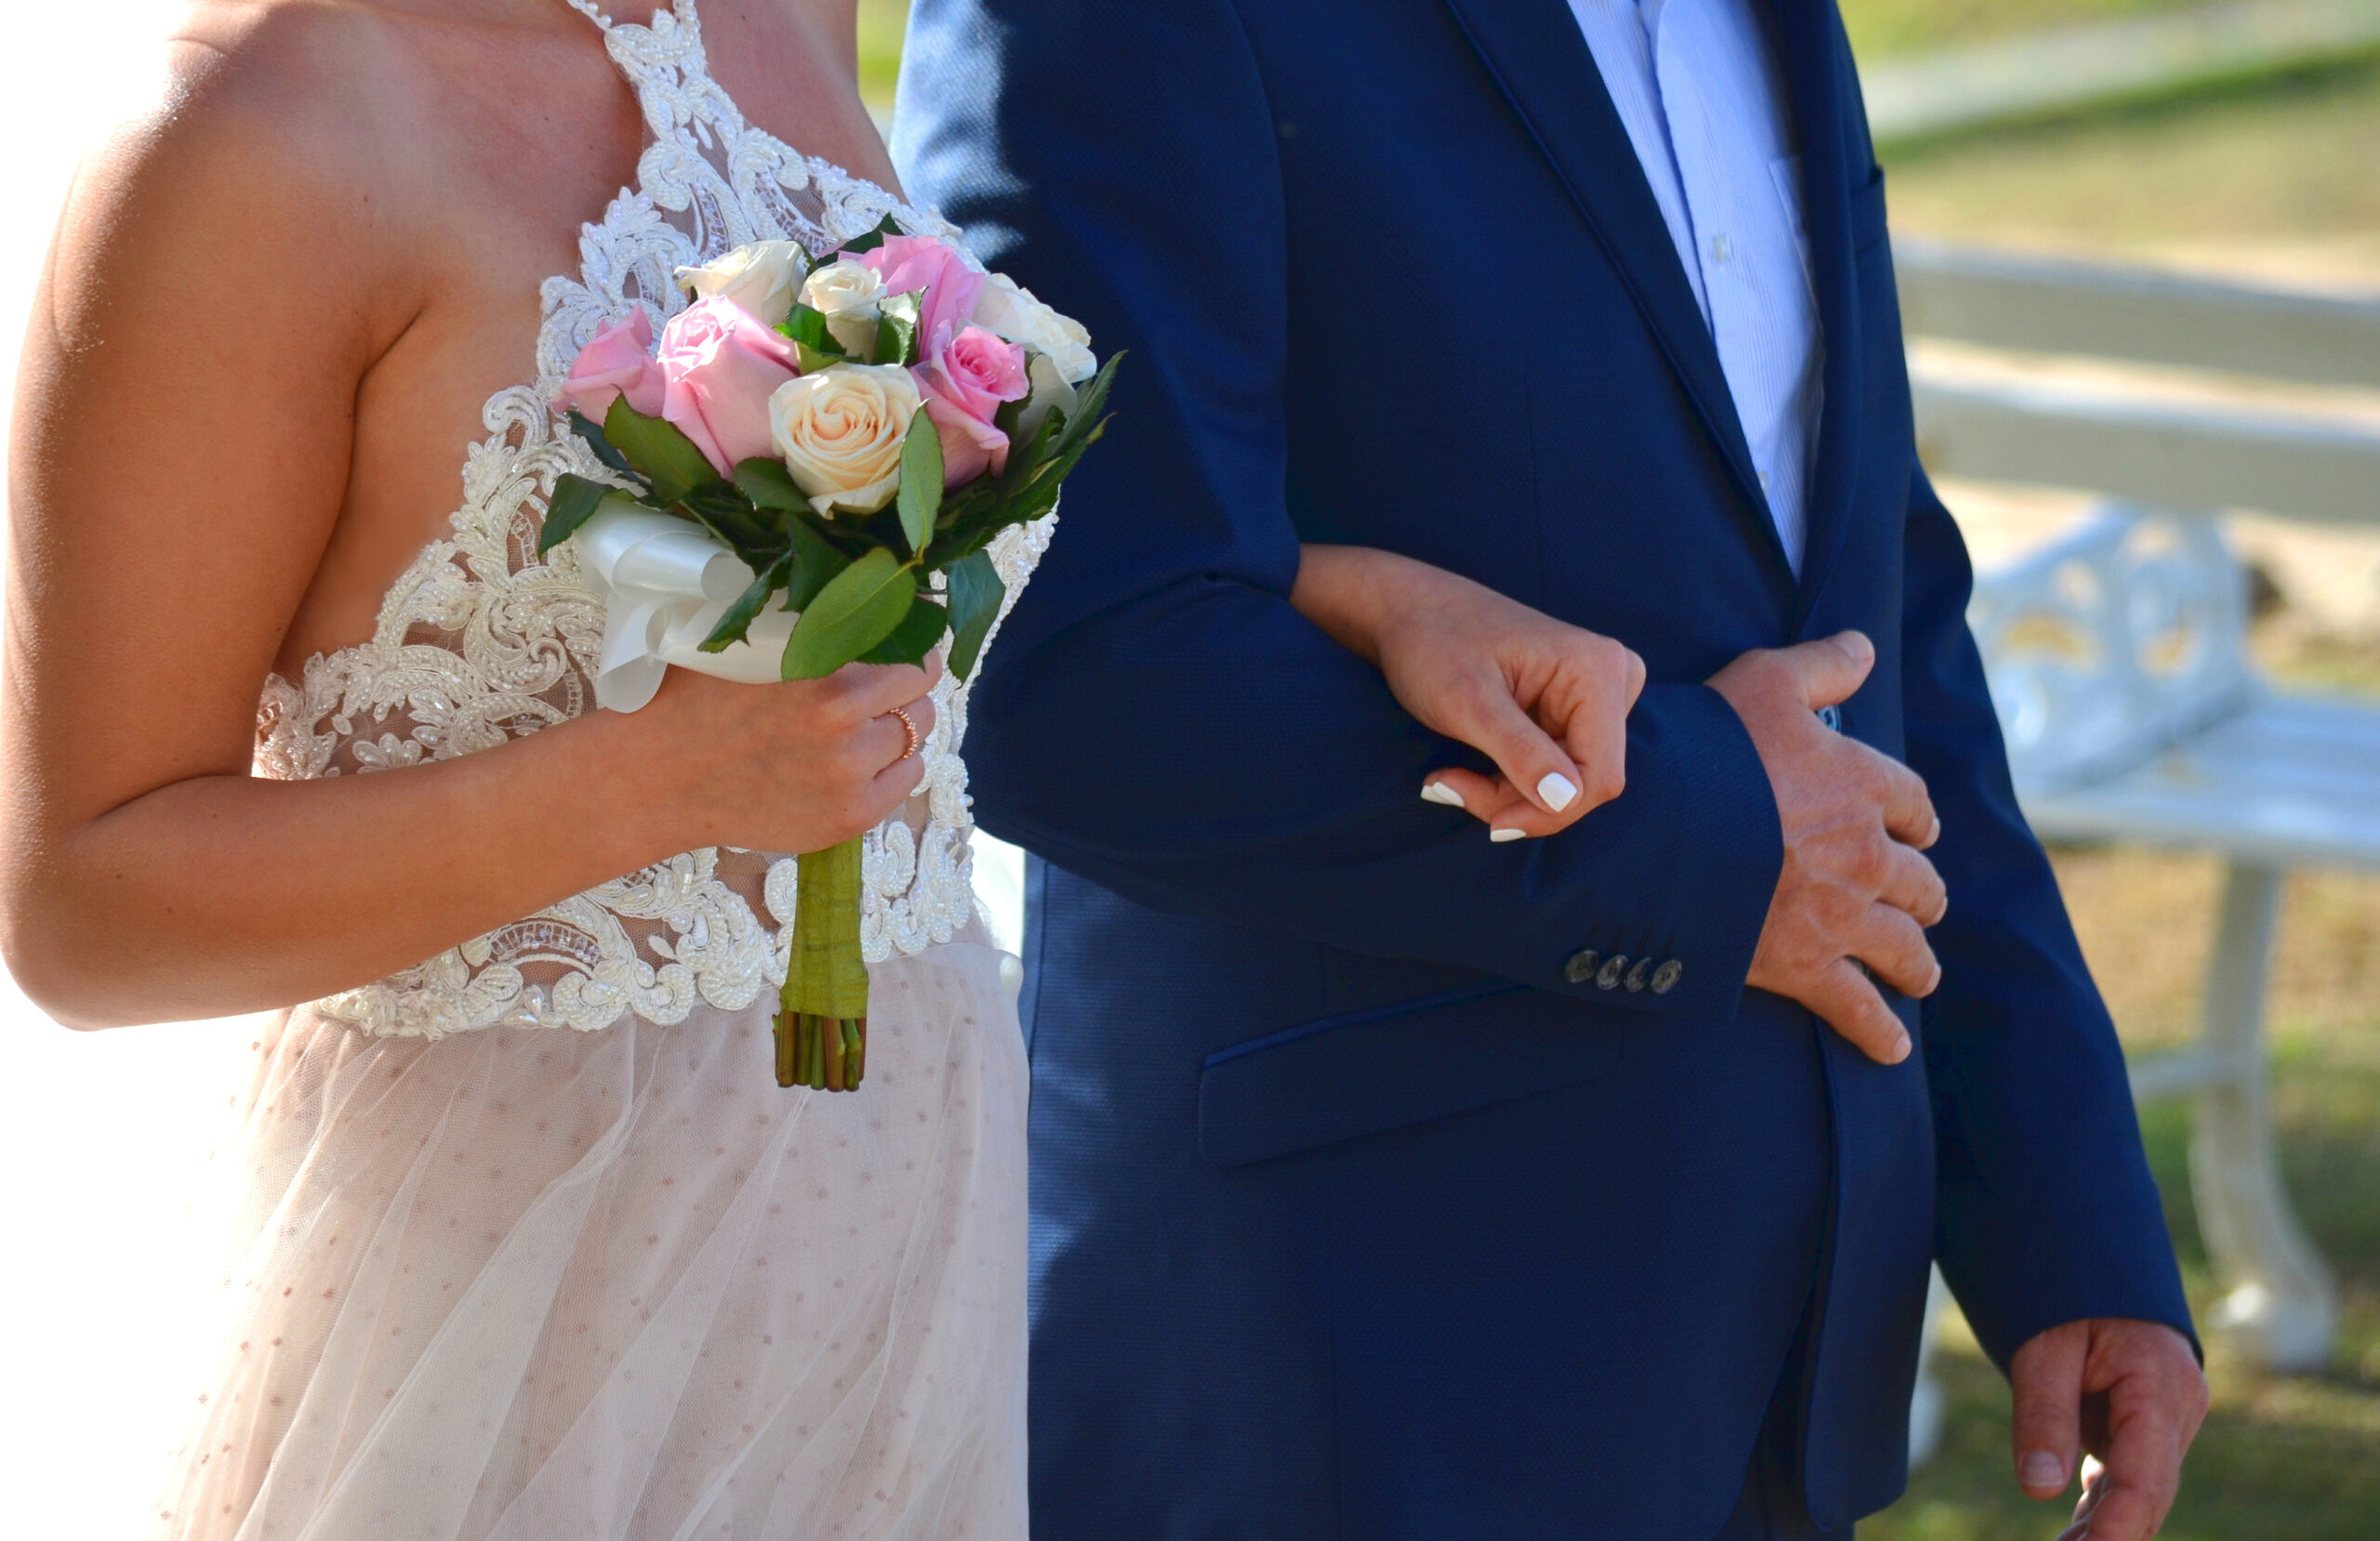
(722, 366)
(912, 263)
(619, 363)
(965, 381)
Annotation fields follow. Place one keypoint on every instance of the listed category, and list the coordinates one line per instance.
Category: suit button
(1581, 966)
(1635, 980)
(1607, 978)
(1831, 719)
(1665, 978)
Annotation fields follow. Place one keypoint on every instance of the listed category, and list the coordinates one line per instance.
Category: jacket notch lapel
(1540, 61)
(1817, 90)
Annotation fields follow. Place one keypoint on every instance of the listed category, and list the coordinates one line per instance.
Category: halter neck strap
(683, 10)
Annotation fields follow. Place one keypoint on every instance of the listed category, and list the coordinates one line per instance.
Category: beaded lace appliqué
(480, 642)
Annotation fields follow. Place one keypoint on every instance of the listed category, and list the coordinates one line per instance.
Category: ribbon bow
(665, 584)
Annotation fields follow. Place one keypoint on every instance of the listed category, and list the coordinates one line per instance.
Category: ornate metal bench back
(2112, 644)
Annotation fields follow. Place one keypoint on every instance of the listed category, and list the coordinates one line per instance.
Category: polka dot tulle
(527, 1285)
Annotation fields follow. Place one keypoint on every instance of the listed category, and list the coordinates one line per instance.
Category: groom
(1389, 1182)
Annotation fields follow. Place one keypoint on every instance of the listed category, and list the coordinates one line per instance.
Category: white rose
(1049, 390)
(841, 431)
(763, 279)
(1014, 313)
(849, 295)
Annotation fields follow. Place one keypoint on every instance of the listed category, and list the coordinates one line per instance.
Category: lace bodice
(480, 642)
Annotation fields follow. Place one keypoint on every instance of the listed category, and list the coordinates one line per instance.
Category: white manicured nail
(1504, 837)
(1557, 791)
(1441, 794)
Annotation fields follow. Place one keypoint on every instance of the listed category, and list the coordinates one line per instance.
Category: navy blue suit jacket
(1355, 1214)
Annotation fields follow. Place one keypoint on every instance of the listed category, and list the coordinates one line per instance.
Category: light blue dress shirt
(1696, 84)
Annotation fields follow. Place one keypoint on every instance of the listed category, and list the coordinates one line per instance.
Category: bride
(532, 1245)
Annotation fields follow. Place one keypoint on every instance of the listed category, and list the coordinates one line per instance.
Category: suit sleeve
(2046, 1213)
(1154, 716)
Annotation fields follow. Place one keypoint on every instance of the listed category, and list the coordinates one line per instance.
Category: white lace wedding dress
(535, 1250)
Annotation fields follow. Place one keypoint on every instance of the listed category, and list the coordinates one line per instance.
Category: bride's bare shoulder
(300, 88)
(287, 129)
(256, 122)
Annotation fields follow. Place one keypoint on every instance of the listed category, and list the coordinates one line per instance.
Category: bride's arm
(222, 287)
(1547, 702)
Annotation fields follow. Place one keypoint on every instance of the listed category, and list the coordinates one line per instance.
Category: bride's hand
(1546, 700)
(795, 767)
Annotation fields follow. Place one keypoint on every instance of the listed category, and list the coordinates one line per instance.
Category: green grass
(1879, 28)
(2283, 173)
(880, 25)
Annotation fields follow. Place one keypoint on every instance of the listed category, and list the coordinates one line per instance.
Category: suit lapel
(1540, 61)
(1803, 34)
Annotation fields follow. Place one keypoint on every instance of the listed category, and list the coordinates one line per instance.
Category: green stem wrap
(822, 1025)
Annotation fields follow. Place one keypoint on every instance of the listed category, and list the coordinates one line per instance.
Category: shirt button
(1721, 248)
(1763, 482)
(1581, 966)
(1665, 978)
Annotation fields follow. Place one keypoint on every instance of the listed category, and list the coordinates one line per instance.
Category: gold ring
(916, 743)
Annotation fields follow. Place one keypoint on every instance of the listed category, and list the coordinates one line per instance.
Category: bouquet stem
(822, 1025)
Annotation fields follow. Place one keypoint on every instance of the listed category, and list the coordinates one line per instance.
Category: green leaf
(896, 330)
(812, 565)
(976, 595)
(862, 606)
(583, 426)
(574, 503)
(914, 637)
(873, 239)
(756, 535)
(1010, 416)
(807, 327)
(658, 452)
(738, 619)
(810, 360)
(921, 472)
(770, 485)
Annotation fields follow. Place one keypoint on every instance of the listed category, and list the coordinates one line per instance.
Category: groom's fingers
(1851, 1006)
(1830, 670)
(1912, 887)
(1894, 946)
(2045, 1377)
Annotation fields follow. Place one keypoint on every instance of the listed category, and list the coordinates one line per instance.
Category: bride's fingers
(1478, 795)
(1494, 802)
(1527, 756)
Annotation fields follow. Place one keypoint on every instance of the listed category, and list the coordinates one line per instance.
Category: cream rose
(841, 431)
(1014, 313)
(761, 279)
(850, 294)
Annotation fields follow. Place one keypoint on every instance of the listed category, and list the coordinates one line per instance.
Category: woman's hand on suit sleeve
(1547, 702)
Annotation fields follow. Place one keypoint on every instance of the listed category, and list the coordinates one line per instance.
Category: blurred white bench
(2119, 665)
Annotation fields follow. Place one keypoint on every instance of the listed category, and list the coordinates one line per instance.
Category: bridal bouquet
(806, 473)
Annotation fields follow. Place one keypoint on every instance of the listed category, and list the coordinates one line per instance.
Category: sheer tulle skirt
(534, 1284)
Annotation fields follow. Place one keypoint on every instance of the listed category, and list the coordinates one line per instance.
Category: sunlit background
(2265, 167)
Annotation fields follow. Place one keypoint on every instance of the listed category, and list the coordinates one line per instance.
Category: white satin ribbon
(665, 583)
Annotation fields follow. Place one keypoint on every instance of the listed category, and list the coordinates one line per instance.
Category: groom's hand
(2128, 1393)
(1854, 889)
